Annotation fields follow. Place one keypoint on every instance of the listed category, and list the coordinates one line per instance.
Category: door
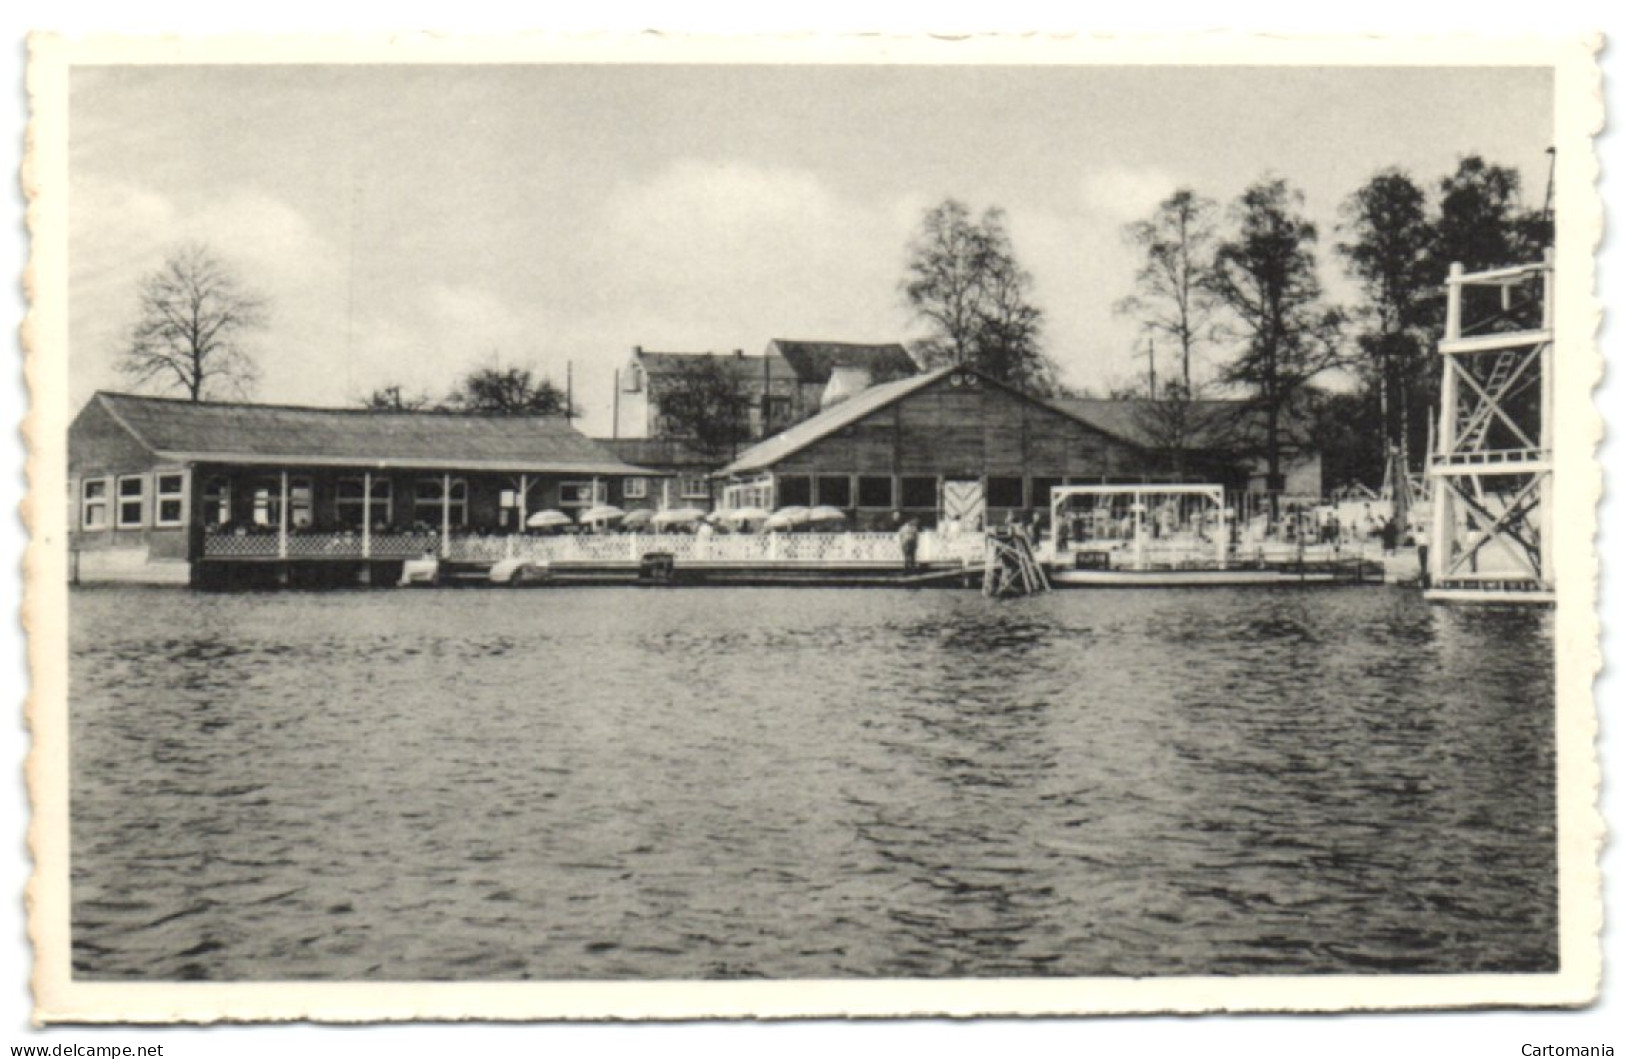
(963, 503)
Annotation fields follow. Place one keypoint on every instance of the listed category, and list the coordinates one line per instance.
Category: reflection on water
(606, 783)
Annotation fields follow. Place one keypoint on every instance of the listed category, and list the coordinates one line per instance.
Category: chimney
(739, 354)
(843, 383)
(637, 351)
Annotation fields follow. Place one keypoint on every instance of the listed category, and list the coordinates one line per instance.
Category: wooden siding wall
(963, 433)
(100, 448)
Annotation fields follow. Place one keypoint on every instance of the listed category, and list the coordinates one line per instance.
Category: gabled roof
(771, 450)
(814, 361)
(744, 366)
(209, 431)
(1210, 424)
(766, 453)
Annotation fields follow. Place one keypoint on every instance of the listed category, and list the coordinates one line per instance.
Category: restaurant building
(948, 444)
(168, 490)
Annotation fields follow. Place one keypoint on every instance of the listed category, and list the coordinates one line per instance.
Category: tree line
(1236, 288)
(488, 390)
(1242, 286)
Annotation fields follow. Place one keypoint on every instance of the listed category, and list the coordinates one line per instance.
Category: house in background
(950, 443)
(684, 473)
(160, 487)
(784, 384)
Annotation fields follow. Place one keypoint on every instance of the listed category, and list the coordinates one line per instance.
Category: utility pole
(1151, 371)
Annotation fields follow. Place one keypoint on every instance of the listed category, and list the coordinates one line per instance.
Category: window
(775, 412)
(920, 493)
(94, 509)
(132, 502)
(635, 488)
(171, 491)
(430, 503)
(795, 490)
(268, 503)
(1004, 492)
(350, 505)
(1041, 490)
(835, 490)
(694, 487)
(874, 491)
(217, 501)
(758, 493)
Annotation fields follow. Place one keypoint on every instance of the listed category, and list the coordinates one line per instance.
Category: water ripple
(593, 784)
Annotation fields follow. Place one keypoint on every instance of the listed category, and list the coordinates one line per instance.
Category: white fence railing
(743, 549)
(772, 549)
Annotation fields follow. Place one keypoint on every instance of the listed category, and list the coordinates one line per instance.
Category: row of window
(122, 502)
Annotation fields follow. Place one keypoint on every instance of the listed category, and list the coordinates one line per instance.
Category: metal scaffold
(1491, 471)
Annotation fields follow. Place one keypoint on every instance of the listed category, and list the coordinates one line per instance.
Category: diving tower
(1491, 469)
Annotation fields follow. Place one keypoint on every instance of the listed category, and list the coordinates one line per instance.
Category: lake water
(712, 783)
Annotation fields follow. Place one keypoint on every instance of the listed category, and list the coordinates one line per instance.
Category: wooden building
(160, 487)
(1208, 440)
(947, 444)
(685, 473)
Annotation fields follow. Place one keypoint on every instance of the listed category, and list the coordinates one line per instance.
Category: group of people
(1328, 524)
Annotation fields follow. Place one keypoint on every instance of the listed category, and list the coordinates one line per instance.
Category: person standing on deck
(908, 540)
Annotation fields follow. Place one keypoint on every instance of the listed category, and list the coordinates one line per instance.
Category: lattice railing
(404, 545)
(335, 545)
(324, 546)
(245, 546)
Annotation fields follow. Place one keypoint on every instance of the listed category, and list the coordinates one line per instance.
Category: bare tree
(1172, 299)
(964, 281)
(194, 315)
(1183, 428)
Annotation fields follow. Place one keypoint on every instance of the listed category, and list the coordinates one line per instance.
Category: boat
(1201, 578)
(1175, 536)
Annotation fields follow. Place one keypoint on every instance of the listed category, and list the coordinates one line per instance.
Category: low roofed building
(1220, 441)
(160, 484)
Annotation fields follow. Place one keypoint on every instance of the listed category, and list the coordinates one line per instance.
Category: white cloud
(1125, 193)
(1080, 266)
(719, 255)
(273, 249)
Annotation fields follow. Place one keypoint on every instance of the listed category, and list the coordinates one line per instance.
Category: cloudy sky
(408, 223)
